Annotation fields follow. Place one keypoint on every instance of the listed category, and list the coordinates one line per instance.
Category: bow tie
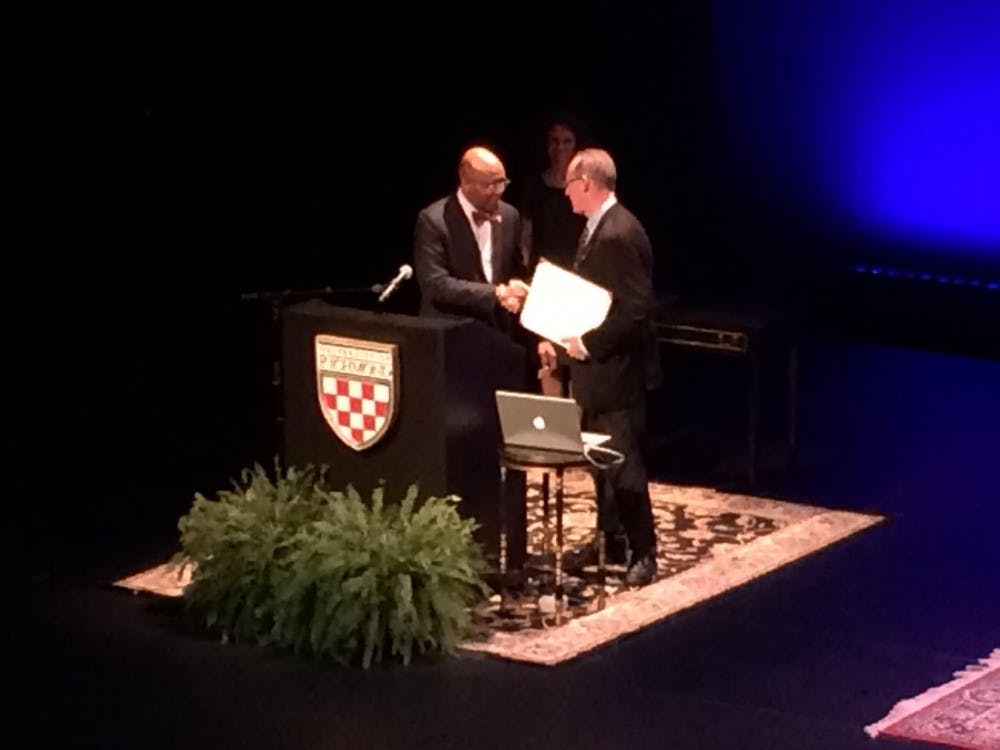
(482, 216)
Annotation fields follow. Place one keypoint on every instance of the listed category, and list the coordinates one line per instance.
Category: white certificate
(562, 305)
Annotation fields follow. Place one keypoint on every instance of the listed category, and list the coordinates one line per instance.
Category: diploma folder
(562, 304)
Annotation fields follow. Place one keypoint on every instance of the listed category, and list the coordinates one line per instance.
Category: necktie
(581, 246)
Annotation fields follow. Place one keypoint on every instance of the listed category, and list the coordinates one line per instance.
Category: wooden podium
(432, 419)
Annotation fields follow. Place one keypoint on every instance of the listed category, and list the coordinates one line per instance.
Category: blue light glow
(923, 276)
(883, 114)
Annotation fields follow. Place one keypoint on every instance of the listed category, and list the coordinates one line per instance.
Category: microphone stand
(276, 300)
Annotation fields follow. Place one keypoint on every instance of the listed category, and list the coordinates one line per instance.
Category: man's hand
(547, 355)
(548, 373)
(511, 296)
(520, 286)
(574, 348)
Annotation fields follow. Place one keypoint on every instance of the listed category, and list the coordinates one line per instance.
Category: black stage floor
(803, 658)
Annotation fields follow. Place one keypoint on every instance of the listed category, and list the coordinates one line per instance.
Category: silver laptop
(529, 420)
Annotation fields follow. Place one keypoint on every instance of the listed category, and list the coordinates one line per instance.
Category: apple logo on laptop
(538, 423)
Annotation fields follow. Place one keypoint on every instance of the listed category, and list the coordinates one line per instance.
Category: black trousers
(623, 491)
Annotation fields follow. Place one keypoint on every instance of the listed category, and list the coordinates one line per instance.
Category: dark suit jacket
(448, 266)
(619, 258)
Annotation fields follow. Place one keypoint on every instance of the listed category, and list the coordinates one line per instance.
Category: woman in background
(550, 229)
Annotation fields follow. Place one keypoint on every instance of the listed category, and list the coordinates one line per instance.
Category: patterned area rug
(962, 713)
(708, 542)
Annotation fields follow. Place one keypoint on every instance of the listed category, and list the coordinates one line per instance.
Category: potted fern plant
(292, 563)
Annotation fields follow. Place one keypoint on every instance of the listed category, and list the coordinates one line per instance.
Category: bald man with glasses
(467, 247)
(468, 261)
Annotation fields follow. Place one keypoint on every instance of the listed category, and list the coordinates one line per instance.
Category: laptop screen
(529, 420)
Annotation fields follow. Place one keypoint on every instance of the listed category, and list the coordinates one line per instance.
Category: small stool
(513, 458)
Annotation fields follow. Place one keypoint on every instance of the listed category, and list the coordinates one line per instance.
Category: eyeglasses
(571, 180)
(500, 183)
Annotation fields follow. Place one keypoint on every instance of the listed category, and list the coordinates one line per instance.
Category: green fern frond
(293, 563)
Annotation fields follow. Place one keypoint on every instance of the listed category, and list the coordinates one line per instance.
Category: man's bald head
(482, 178)
(479, 159)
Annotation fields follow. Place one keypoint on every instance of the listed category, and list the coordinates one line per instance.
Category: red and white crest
(358, 387)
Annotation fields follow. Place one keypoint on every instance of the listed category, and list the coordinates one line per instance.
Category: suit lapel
(496, 259)
(465, 246)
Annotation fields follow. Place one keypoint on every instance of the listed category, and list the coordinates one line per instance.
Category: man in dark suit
(609, 365)
(468, 260)
(468, 247)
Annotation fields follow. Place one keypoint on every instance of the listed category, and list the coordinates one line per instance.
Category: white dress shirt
(594, 219)
(483, 234)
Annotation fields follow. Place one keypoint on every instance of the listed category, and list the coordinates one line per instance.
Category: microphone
(405, 272)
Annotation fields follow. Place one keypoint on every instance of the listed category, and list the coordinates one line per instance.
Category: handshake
(512, 295)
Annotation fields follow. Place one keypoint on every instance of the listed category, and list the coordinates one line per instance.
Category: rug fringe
(168, 579)
(631, 611)
(909, 706)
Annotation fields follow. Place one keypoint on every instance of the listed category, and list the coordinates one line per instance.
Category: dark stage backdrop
(176, 155)
(171, 156)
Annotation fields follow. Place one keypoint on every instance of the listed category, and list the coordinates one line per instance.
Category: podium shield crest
(357, 383)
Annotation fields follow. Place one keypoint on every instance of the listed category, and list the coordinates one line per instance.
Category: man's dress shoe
(642, 571)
